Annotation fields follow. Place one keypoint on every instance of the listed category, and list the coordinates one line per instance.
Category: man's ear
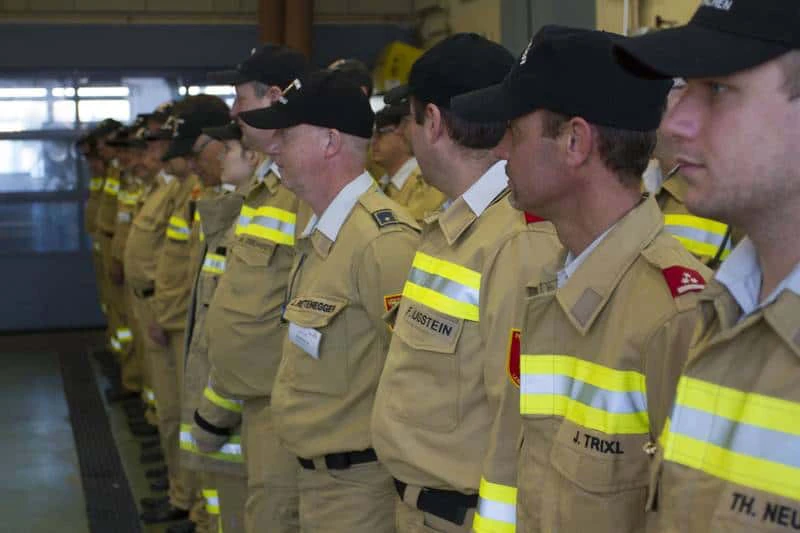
(434, 123)
(578, 137)
(333, 143)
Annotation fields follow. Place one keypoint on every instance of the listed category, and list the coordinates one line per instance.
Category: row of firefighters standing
(257, 334)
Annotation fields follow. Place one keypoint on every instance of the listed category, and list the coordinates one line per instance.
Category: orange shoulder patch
(681, 280)
(532, 218)
(514, 350)
(391, 300)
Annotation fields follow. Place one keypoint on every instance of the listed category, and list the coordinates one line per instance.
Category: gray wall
(521, 19)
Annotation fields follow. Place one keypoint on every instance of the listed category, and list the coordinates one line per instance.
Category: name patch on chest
(424, 319)
(310, 304)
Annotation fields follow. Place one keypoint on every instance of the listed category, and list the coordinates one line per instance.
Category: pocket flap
(422, 328)
(314, 311)
(253, 253)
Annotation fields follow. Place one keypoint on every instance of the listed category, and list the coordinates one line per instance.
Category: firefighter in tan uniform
(391, 148)
(172, 291)
(445, 368)
(729, 458)
(351, 260)
(607, 324)
(223, 474)
(244, 330)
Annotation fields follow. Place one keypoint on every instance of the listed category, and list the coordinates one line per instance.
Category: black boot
(166, 513)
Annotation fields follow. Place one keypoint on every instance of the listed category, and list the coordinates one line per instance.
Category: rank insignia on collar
(681, 280)
(385, 217)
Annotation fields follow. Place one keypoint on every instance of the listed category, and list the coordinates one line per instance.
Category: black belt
(342, 461)
(146, 293)
(449, 505)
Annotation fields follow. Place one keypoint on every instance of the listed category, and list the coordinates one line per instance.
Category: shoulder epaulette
(376, 204)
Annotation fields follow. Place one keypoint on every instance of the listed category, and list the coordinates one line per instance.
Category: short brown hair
(473, 135)
(625, 152)
(790, 64)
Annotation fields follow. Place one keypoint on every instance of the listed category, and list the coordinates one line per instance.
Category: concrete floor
(41, 483)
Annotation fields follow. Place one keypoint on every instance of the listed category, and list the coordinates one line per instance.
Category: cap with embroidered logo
(271, 64)
(327, 98)
(570, 71)
(194, 114)
(723, 37)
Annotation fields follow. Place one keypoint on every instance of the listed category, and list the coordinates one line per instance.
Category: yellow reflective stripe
(268, 223)
(178, 229)
(148, 396)
(230, 452)
(745, 438)
(124, 334)
(214, 264)
(587, 394)
(111, 187)
(128, 199)
(197, 216)
(116, 345)
(497, 509)
(444, 286)
(95, 184)
(701, 236)
(212, 500)
(219, 401)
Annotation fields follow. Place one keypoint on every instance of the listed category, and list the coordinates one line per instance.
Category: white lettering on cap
(725, 5)
(524, 58)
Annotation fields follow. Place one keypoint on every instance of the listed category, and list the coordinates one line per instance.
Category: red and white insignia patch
(391, 300)
(682, 280)
(514, 349)
(531, 218)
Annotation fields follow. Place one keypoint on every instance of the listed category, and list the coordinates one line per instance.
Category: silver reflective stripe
(738, 437)
(244, 220)
(214, 264)
(697, 235)
(231, 448)
(501, 512)
(274, 223)
(449, 288)
(585, 393)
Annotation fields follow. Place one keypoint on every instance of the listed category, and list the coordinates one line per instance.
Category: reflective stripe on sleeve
(219, 401)
(744, 438)
(178, 229)
(214, 263)
(269, 223)
(111, 187)
(124, 334)
(212, 501)
(444, 286)
(116, 345)
(587, 394)
(95, 184)
(497, 509)
(231, 451)
(701, 236)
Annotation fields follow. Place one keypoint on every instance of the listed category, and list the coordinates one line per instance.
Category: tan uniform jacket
(127, 201)
(600, 361)
(701, 236)
(217, 216)
(244, 332)
(445, 370)
(339, 291)
(420, 198)
(731, 451)
(93, 203)
(148, 233)
(172, 285)
(107, 210)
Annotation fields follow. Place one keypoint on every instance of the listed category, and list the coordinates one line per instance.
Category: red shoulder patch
(391, 300)
(514, 349)
(531, 218)
(682, 280)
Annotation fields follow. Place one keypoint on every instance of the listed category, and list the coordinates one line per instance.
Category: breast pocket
(603, 476)
(316, 345)
(247, 278)
(427, 362)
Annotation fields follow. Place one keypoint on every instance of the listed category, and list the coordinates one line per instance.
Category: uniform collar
(593, 282)
(459, 214)
(652, 178)
(741, 276)
(262, 169)
(401, 176)
(334, 216)
(676, 186)
(571, 263)
(165, 177)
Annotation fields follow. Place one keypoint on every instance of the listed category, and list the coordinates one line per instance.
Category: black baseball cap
(271, 64)
(326, 98)
(459, 64)
(570, 71)
(229, 132)
(161, 113)
(357, 70)
(723, 37)
(392, 115)
(195, 113)
(125, 137)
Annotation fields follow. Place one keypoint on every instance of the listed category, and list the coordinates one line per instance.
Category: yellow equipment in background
(394, 65)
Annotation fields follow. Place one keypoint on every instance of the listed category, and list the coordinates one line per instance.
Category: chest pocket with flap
(327, 374)
(249, 290)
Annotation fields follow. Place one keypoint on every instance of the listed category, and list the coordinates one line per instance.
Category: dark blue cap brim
(275, 117)
(490, 104)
